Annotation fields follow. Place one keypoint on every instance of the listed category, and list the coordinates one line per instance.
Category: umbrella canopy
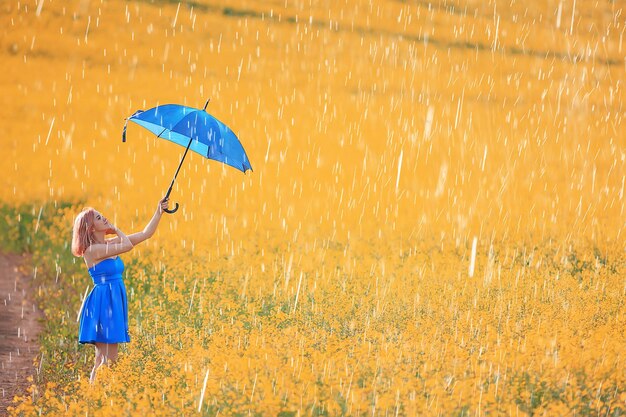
(193, 129)
(209, 137)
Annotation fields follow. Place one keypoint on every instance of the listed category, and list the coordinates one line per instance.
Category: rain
(433, 224)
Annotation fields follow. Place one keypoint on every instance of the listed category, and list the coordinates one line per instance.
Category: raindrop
(429, 122)
(473, 257)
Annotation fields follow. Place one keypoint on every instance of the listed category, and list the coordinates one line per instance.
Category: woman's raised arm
(149, 230)
(99, 251)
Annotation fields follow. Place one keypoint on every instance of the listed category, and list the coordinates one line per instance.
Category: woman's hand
(163, 204)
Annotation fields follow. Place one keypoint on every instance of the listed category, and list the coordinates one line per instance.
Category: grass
(262, 341)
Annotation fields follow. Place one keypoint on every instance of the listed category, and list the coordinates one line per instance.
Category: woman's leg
(109, 351)
(98, 360)
(105, 354)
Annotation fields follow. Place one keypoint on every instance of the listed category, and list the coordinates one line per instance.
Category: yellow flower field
(434, 224)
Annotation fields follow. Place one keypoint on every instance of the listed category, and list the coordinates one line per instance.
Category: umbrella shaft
(169, 190)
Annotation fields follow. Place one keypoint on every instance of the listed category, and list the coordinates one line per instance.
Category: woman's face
(100, 223)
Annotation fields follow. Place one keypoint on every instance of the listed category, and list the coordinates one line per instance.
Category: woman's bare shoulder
(90, 256)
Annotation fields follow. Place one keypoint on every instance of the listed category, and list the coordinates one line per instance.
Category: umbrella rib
(159, 135)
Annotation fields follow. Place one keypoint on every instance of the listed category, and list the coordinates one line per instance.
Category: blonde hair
(82, 235)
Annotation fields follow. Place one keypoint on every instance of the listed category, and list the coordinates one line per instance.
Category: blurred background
(403, 119)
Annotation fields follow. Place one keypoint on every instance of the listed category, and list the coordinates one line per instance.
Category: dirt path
(19, 327)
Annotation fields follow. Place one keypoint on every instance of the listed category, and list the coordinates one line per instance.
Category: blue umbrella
(194, 129)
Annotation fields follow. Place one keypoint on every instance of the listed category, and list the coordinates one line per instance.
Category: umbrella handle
(172, 211)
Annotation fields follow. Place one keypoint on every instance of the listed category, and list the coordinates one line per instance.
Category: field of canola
(434, 224)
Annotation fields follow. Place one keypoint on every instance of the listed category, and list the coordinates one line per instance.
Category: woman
(104, 316)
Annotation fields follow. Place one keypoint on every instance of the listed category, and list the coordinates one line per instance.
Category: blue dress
(104, 317)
